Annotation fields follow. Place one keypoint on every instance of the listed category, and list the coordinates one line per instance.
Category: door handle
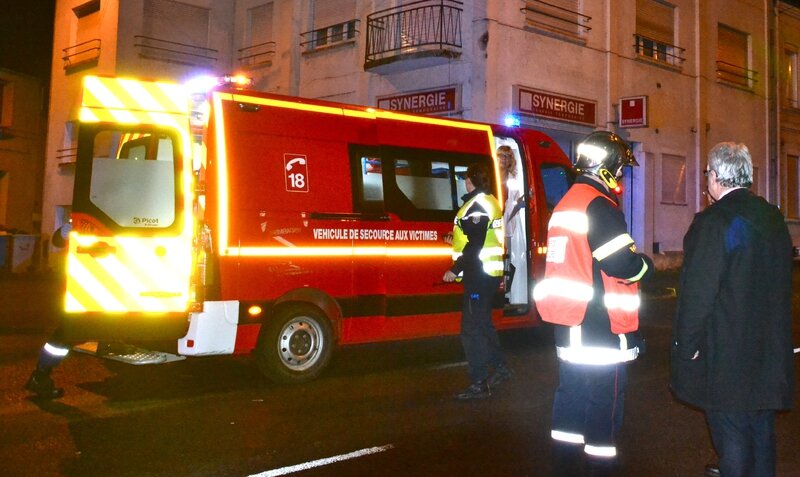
(96, 250)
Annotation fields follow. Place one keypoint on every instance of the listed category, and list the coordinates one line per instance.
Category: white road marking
(449, 365)
(320, 462)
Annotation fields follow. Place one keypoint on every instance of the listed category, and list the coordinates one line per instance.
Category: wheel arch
(313, 296)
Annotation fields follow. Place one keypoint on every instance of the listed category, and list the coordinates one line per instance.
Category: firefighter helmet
(603, 154)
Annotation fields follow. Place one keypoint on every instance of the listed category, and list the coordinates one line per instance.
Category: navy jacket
(734, 308)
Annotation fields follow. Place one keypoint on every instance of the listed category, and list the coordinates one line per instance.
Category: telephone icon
(299, 160)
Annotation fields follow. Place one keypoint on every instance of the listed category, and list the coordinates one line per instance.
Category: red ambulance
(247, 222)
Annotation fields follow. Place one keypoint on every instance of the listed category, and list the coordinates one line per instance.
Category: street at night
(379, 410)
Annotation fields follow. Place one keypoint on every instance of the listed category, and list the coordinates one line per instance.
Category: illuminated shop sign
(548, 105)
(436, 101)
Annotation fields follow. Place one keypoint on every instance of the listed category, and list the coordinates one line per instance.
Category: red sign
(296, 170)
(633, 112)
(423, 102)
(555, 106)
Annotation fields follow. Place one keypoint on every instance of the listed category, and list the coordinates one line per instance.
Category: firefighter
(55, 349)
(478, 257)
(590, 293)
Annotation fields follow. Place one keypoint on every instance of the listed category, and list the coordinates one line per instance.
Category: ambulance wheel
(296, 345)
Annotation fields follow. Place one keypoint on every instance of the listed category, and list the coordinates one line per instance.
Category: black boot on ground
(479, 390)
(41, 384)
(501, 374)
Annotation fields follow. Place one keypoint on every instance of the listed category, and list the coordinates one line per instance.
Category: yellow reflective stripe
(617, 243)
(619, 301)
(577, 222)
(570, 437)
(563, 288)
(600, 451)
(641, 273)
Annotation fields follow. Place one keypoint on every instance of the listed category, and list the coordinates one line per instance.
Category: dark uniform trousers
(745, 442)
(589, 403)
(478, 335)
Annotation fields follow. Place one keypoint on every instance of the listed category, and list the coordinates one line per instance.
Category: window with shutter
(175, 31)
(733, 57)
(562, 17)
(655, 32)
(259, 46)
(333, 22)
(790, 89)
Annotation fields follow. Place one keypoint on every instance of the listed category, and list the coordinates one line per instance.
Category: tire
(295, 345)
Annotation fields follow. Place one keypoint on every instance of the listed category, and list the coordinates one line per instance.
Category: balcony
(80, 56)
(333, 35)
(427, 31)
(257, 55)
(173, 52)
(555, 20)
(658, 51)
(735, 75)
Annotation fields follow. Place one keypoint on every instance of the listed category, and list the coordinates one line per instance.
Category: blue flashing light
(511, 121)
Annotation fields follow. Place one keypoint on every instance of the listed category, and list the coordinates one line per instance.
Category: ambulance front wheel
(295, 345)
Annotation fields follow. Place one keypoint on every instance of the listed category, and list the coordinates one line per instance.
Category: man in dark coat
(732, 340)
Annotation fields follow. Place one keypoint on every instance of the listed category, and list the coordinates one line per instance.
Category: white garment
(516, 244)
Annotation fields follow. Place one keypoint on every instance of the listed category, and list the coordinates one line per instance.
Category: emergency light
(511, 121)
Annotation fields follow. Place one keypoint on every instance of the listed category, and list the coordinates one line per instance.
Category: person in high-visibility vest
(590, 293)
(478, 258)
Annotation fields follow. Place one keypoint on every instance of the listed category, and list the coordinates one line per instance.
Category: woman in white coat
(514, 217)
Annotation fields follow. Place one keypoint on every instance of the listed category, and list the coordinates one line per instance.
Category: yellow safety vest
(492, 252)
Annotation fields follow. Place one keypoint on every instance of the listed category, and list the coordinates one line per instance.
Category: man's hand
(448, 238)
(449, 277)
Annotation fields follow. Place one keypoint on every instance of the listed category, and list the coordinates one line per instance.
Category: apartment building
(672, 77)
(22, 139)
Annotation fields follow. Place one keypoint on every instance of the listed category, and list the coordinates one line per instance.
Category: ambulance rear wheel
(295, 345)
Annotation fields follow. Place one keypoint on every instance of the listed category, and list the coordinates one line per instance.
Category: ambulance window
(133, 178)
(425, 183)
(461, 181)
(556, 179)
(371, 179)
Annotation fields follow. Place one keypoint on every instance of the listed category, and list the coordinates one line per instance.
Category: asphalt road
(380, 410)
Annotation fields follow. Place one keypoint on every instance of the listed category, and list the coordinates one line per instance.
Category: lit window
(655, 32)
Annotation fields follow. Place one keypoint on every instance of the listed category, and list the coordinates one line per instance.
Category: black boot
(477, 390)
(41, 384)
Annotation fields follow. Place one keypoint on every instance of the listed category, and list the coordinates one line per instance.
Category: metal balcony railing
(658, 50)
(736, 75)
(424, 28)
(554, 18)
(329, 35)
(67, 155)
(254, 55)
(174, 52)
(82, 54)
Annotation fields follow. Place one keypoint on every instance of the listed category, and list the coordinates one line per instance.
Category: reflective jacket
(598, 304)
(480, 208)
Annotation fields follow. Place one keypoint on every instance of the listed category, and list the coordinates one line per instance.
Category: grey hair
(732, 164)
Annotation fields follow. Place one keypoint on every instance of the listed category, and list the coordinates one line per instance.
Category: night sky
(26, 36)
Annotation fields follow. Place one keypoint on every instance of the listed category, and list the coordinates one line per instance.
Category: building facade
(672, 77)
(22, 140)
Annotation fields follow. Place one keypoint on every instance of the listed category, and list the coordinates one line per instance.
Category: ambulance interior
(516, 258)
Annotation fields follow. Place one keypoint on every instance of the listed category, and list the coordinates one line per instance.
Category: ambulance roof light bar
(204, 83)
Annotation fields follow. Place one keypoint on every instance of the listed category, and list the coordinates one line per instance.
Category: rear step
(126, 353)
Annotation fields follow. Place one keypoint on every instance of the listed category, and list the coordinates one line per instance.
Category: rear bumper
(124, 326)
